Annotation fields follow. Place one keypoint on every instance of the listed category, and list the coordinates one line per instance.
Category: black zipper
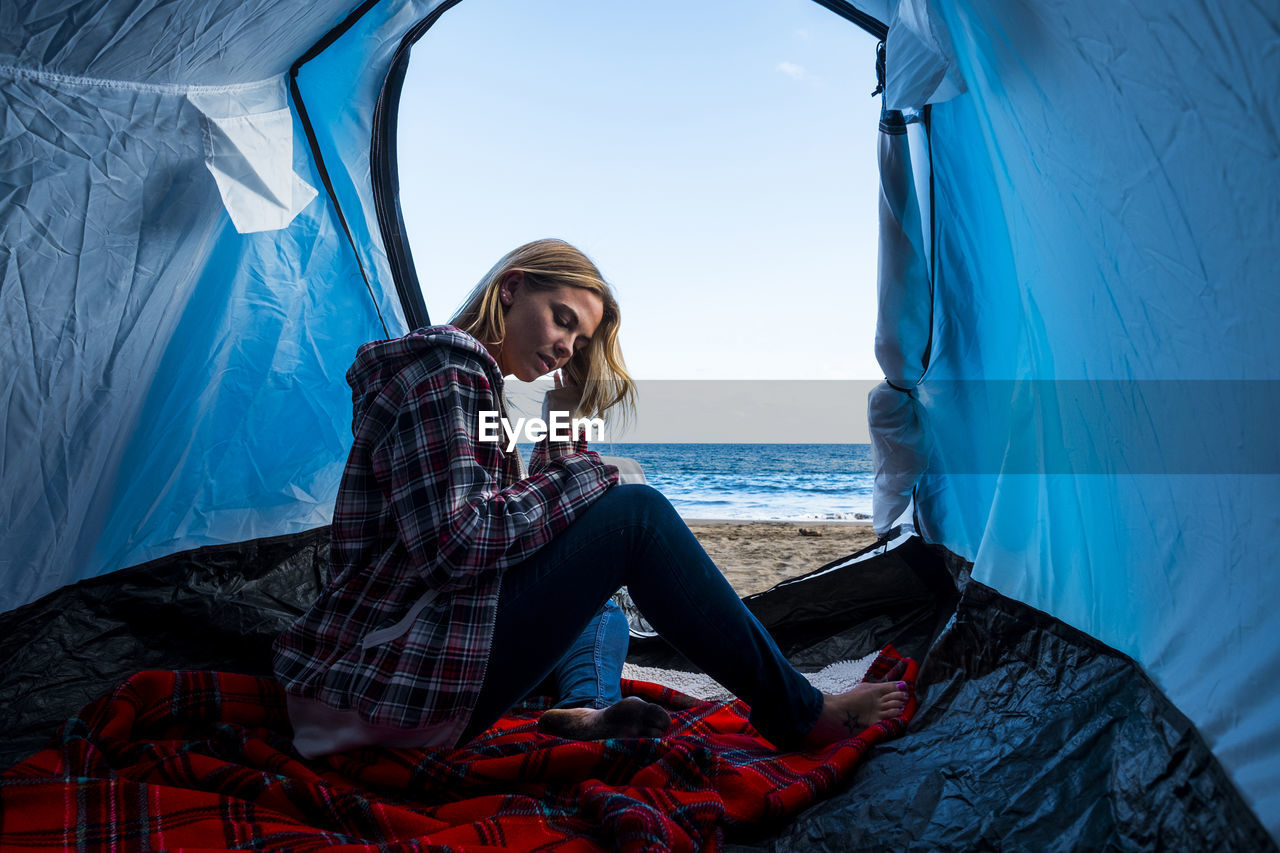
(873, 25)
(385, 174)
(296, 93)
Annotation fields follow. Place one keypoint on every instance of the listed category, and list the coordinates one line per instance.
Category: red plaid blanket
(201, 760)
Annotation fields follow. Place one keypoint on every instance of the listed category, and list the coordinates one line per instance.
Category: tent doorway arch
(384, 160)
(724, 177)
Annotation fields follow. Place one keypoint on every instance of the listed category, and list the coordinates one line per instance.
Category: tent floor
(1029, 735)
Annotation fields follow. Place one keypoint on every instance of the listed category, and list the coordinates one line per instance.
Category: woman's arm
(452, 514)
(545, 451)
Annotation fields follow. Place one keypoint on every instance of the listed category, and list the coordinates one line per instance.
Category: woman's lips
(547, 364)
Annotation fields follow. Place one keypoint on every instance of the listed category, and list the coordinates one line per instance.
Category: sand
(755, 555)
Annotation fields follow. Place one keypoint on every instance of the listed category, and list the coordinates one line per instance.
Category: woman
(461, 582)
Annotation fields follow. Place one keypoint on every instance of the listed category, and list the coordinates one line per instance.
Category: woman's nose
(563, 349)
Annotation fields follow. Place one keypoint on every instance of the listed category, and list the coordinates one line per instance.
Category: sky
(716, 159)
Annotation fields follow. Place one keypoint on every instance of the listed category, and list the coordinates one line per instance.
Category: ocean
(794, 482)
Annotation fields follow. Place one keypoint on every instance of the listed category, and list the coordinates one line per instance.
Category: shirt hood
(378, 362)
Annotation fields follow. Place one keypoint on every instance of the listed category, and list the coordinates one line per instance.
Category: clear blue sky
(716, 158)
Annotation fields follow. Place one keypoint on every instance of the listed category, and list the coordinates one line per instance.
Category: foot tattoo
(846, 715)
(851, 723)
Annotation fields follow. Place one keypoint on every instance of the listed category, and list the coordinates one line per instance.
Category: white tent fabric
(176, 315)
(248, 142)
(922, 70)
(899, 437)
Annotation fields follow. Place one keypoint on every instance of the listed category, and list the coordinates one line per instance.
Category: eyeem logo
(559, 428)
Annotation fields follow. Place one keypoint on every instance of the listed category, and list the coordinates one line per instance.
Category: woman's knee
(633, 517)
(615, 630)
(643, 498)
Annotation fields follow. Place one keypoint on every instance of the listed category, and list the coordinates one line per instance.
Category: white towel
(833, 678)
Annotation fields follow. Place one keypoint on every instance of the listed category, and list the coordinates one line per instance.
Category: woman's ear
(507, 288)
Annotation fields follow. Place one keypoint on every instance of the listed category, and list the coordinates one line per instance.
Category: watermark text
(558, 427)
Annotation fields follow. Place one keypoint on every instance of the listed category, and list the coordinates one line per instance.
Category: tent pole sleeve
(328, 186)
(847, 11)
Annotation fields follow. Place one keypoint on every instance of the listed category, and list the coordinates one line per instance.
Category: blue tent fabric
(156, 42)
(1102, 371)
(1104, 347)
(159, 366)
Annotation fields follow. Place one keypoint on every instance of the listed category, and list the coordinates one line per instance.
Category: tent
(200, 224)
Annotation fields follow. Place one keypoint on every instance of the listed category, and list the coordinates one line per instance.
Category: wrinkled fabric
(898, 426)
(248, 142)
(900, 449)
(174, 349)
(1105, 205)
(1010, 698)
(200, 759)
(169, 383)
(920, 65)
(212, 43)
(1104, 343)
(1032, 736)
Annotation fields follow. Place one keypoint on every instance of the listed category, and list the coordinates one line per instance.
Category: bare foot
(845, 715)
(632, 717)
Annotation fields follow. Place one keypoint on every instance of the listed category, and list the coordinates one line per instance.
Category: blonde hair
(597, 368)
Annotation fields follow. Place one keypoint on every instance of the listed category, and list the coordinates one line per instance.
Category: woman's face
(544, 328)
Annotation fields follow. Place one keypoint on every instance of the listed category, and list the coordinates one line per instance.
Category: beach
(755, 555)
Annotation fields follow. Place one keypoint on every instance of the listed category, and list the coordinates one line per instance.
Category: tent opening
(717, 161)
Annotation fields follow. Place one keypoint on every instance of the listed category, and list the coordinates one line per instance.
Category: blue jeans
(590, 673)
(632, 536)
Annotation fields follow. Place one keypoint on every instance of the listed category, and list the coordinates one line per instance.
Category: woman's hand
(561, 398)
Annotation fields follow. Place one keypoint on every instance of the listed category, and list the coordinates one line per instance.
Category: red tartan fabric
(201, 760)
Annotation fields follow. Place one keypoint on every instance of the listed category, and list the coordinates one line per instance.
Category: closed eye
(568, 319)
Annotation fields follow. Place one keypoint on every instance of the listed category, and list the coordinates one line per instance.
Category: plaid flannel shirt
(426, 519)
